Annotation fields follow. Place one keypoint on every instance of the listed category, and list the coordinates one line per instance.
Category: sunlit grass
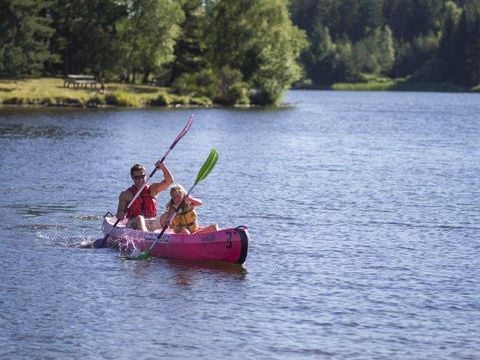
(50, 91)
(373, 83)
(370, 86)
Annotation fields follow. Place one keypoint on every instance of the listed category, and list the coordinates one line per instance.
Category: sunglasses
(139, 177)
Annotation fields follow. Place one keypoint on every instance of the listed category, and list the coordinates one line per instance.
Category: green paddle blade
(143, 256)
(207, 166)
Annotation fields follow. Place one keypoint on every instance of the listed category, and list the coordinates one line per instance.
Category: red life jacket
(144, 204)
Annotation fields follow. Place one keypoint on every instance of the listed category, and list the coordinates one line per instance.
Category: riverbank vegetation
(51, 92)
(236, 52)
(379, 83)
(417, 41)
(233, 52)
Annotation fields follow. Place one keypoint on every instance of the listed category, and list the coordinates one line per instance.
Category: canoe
(228, 245)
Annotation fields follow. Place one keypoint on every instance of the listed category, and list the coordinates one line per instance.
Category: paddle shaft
(182, 133)
(206, 168)
(165, 227)
(139, 191)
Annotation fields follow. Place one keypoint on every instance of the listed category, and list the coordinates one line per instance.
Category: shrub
(232, 89)
(179, 100)
(95, 101)
(224, 86)
(119, 98)
(161, 100)
(203, 83)
(201, 101)
(13, 100)
(64, 101)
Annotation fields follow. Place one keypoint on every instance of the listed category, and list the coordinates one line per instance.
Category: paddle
(206, 168)
(99, 243)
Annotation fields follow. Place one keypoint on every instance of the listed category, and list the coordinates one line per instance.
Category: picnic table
(80, 81)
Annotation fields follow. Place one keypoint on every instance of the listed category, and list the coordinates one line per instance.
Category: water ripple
(361, 208)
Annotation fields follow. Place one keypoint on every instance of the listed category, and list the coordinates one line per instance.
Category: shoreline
(386, 84)
(50, 92)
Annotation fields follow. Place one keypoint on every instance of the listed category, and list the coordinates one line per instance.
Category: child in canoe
(185, 220)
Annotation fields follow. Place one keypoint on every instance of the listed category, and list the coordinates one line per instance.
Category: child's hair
(177, 188)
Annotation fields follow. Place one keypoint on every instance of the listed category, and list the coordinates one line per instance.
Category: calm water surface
(363, 209)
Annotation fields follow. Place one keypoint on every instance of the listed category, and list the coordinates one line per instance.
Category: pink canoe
(229, 245)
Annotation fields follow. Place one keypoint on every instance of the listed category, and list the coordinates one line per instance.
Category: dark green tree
(364, 16)
(190, 48)
(458, 73)
(147, 36)
(307, 14)
(467, 42)
(25, 33)
(446, 49)
(410, 19)
(318, 56)
(474, 54)
(85, 34)
(375, 53)
(257, 38)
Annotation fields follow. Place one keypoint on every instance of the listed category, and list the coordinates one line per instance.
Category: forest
(243, 51)
(435, 41)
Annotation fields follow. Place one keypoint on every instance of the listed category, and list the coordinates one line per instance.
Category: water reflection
(35, 227)
(88, 217)
(213, 266)
(41, 210)
(24, 131)
(21, 131)
(358, 217)
(188, 272)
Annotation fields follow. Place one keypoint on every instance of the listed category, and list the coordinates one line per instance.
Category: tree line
(234, 52)
(242, 51)
(436, 41)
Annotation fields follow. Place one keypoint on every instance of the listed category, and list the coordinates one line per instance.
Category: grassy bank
(50, 92)
(376, 83)
(399, 85)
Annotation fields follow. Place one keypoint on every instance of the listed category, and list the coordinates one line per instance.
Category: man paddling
(143, 211)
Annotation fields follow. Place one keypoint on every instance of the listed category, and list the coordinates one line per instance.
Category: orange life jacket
(144, 204)
(186, 218)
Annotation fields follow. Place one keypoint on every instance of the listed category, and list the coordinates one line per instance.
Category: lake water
(363, 210)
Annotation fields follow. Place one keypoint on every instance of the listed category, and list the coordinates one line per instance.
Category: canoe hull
(228, 245)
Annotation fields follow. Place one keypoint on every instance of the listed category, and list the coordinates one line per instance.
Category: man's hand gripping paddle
(206, 168)
(99, 243)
